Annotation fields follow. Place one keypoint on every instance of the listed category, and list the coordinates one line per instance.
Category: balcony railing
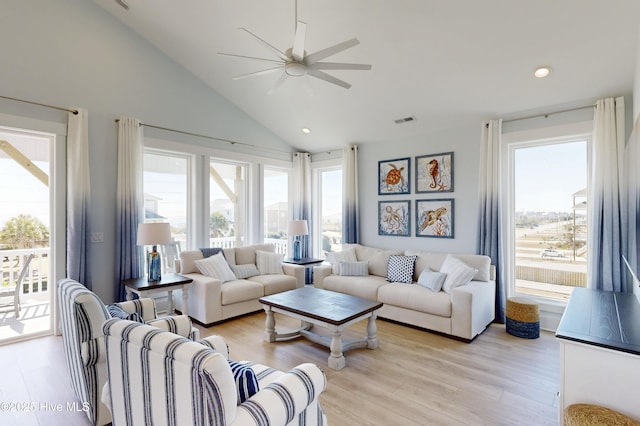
(36, 282)
(229, 242)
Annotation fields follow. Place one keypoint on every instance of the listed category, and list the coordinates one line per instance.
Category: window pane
(165, 198)
(227, 222)
(550, 219)
(276, 207)
(331, 211)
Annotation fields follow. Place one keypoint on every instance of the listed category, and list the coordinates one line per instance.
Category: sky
(547, 176)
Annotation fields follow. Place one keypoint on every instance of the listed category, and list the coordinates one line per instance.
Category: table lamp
(152, 234)
(297, 228)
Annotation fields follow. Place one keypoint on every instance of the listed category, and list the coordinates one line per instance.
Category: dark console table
(599, 337)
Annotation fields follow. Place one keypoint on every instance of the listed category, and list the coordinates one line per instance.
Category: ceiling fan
(296, 62)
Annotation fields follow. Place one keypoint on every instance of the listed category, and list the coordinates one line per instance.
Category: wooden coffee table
(331, 310)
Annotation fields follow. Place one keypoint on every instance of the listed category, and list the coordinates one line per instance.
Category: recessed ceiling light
(542, 72)
(306, 130)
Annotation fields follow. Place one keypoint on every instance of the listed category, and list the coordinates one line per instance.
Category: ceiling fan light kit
(295, 62)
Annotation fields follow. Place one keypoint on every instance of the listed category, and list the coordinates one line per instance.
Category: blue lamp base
(297, 249)
(153, 259)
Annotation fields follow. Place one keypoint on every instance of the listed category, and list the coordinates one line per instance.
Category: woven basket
(523, 318)
(594, 415)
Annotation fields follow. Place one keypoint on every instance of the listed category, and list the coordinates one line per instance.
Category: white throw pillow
(269, 263)
(458, 273)
(432, 280)
(215, 266)
(355, 269)
(335, 257)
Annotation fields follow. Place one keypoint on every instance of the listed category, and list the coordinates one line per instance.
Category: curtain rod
(231, 142)
(547, 114)
(74, 111)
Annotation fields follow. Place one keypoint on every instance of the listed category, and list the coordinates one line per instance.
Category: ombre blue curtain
(350, 204)
(129, 202)
(632, 200)
(490, 241)
(301, 198)
(77, 195)
(606, 266)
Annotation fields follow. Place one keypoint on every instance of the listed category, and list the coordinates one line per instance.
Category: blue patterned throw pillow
(116, 311)
(246, 380)
(400, 268)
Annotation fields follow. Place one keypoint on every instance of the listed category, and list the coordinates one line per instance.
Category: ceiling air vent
(404, 120)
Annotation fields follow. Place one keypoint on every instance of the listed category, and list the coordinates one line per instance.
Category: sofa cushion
(215, 266)
(187, 259)
(247, 254)
(240, 291)
(275, 283)
(245, 271)
(246, 381)
(269, 263)
(366, 287)
(400, 268)
(336, 257)
(432, 280)
(415, 297)
(356, 269)
(458, 273)
(377, 258)
(116, 311)
(434, 261)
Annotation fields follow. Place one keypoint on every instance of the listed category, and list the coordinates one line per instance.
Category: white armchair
(157, 377)
(82, 314)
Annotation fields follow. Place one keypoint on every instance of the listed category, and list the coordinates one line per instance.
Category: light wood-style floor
(413, 378)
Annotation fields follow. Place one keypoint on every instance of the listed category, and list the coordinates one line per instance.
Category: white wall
(74, 54)
(636, 83)
(464, 141)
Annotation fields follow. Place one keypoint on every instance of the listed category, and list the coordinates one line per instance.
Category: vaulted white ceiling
(443, 62)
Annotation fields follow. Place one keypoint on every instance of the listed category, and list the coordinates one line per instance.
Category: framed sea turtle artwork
(434, 218)
(393, 176)
(394, 218)
(434, 173)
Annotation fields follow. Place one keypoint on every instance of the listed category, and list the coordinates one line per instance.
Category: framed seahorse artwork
(393, 176)
(434, 173)
(394, 218)
(434, 218)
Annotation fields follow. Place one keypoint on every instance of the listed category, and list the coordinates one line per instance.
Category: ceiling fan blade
(328, 78)
(332, 50)
(278, 83)
(255, 73)
(338, 66)
(297, 52)
(272, 48)
(277, 61)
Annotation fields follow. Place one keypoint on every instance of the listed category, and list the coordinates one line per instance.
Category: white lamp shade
(154, 233)
(298, 227)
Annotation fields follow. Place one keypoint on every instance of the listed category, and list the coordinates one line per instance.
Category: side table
(308, 263)
(168, 283)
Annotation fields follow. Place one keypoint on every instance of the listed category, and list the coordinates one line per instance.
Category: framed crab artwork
(434, 173)
(394, 218)
(393, 176)
(434, 218)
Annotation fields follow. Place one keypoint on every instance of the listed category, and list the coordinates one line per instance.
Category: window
(329, 210)
(276, 207)
(548, 216)
(228, 204)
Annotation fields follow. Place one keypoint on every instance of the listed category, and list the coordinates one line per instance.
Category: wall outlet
(97, 237)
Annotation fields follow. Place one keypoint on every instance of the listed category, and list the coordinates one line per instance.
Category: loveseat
(257, 271)
(462, 310)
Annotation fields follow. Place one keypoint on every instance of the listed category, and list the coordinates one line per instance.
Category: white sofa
(211, 301)
(463, 314)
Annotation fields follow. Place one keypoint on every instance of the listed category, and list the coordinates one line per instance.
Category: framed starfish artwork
(434, 173)
(393, 176)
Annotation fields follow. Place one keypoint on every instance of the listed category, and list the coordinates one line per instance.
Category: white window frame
(317, 169)
(574, 132)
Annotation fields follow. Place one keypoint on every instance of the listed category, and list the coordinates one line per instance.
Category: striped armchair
(157, 378)
(82, 314)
